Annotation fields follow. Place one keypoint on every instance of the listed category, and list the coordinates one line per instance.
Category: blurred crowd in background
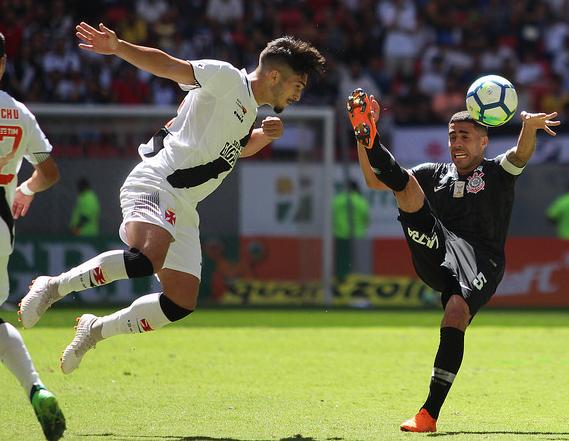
(417, 56)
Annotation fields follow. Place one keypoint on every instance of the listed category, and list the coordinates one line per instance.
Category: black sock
(386, 167)
(172, 311)
(447, 364)
(34, 389)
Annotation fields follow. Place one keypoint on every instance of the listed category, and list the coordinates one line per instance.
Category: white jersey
(20, 137)
(200, 146)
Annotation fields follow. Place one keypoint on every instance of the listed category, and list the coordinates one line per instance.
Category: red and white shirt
(20, 137)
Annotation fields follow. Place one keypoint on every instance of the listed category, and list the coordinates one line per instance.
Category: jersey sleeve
(217, 77)
(37, 146)
(507, 166)
(425, 175)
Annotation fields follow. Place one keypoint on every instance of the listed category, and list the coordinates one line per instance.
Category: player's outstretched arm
(531, 123)
(104, 41)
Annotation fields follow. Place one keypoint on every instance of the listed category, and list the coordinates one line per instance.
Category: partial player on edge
(21, 137)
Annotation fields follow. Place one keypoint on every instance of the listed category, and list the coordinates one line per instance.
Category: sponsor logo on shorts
(170, 216)
(423, 239)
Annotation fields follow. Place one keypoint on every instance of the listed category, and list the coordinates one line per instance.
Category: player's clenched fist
(103, 41)
(272, 127)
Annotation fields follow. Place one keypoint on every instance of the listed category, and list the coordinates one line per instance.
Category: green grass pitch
(313, 375)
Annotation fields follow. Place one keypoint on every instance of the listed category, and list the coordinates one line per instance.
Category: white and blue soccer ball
(491, 100)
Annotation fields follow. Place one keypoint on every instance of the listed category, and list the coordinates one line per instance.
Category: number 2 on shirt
(7, 132)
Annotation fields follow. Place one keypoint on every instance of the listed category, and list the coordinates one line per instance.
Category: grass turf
(313, 375)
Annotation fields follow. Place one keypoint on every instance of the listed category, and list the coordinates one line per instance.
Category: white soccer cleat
(43, 293)
(85, 339)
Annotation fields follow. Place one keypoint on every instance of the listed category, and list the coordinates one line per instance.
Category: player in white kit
(181, 164)
(21, 137)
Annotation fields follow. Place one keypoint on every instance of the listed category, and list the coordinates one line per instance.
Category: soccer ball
(491, 100)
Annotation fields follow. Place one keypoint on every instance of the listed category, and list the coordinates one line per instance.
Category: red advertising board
(286, 270)
(537, 270)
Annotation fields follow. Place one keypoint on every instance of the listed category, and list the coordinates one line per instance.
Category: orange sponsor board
(537, 273)
(537, 270)
(288, 269)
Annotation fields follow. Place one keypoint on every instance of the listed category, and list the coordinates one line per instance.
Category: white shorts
(144, 199)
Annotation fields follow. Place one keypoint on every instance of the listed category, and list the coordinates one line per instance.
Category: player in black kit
(455, 218)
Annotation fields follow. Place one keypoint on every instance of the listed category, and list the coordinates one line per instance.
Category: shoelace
(83, 341)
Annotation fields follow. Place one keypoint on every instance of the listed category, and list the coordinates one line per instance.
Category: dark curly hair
(464, 116)
(300, 56)
(2, 45)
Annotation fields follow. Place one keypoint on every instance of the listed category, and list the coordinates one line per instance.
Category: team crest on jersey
(475, 182)
(241, 110)
(170, 216)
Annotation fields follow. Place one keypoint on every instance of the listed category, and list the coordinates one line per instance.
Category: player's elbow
(375, 184)
(49, 172)
(52, 174)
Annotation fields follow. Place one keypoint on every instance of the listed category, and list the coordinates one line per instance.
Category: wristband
(26, 190)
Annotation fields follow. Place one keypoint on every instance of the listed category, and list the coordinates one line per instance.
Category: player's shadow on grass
(498, 432)
(297, 437)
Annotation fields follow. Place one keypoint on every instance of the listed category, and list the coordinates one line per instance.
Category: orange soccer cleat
(359, 111)
(422, 422)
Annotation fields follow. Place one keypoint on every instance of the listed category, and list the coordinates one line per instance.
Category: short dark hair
(2, 45)
(300, 56)
(464, 116)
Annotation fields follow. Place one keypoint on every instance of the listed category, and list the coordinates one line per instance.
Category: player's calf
(386, 167)
(148, 313)
(100, 270)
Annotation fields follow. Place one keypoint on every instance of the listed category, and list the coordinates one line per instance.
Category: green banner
(37, 255)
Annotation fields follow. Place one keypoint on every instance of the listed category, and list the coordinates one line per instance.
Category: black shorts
(448, 263)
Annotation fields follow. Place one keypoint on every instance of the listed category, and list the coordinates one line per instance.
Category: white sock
(100, 270)
(15, 356)
(143, 315)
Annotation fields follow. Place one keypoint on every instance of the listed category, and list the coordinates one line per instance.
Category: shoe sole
(417, 431)
(357, 106)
